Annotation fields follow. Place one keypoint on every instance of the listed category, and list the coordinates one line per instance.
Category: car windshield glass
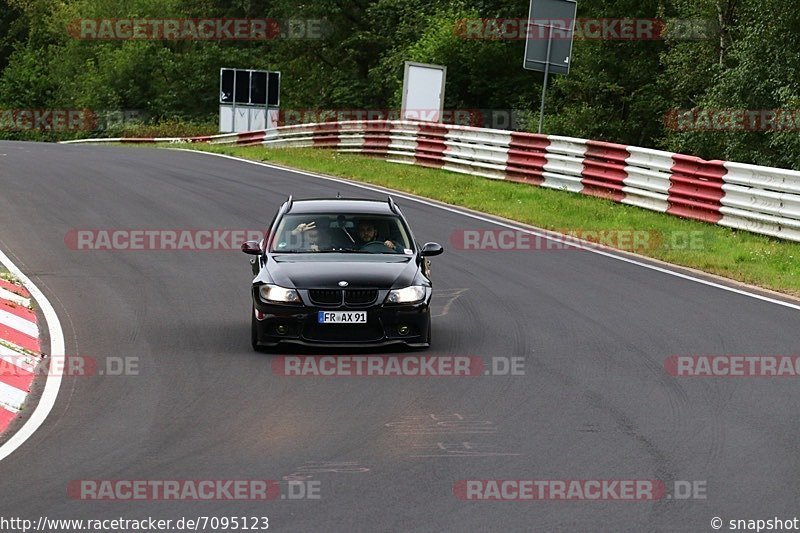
(338, 233)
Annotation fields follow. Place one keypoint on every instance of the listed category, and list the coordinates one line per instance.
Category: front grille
(360, 296)
(325, 296)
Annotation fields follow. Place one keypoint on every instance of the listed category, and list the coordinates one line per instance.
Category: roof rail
(289, 202)
(393, 206)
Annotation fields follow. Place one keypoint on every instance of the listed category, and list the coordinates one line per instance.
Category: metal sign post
(546, 76)
(233, 116)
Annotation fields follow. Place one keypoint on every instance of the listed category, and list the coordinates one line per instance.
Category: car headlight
(281, 295)
(406, 296)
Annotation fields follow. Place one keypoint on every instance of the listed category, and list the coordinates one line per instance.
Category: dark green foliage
(617, 91)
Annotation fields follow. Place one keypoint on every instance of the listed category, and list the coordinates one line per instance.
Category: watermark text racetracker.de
(396, 366)
(578, 490)
(575, 239)
(128, 240)
(69, 120)
(733, 366)
(505, 119)
(603, 29)
(733, 120)
(192, 490)
(69, 365)
(48, 120)
(198, 29)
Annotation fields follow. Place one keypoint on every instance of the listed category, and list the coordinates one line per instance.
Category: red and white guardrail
(19, 349)
(758, 199)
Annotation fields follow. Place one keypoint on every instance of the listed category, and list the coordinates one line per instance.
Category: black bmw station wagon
(340, 273)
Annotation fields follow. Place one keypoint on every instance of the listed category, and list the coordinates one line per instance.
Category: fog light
(402, 330)
(282, 330)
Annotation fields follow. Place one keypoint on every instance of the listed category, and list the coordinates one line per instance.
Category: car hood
(328, 274)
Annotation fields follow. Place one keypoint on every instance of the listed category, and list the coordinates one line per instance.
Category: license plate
(342, 317)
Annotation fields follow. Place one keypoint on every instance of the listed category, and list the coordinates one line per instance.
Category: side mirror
(431, 249)
(252, 248)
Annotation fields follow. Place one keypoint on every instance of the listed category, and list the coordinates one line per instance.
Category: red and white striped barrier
(758, 199)
(19, 349)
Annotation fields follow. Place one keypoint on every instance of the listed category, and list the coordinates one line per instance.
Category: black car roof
(341, 205)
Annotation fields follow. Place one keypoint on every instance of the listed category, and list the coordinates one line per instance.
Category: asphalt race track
(594, 402)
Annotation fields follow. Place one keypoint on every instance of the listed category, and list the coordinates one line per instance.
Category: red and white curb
(20, 351)
(19, 346)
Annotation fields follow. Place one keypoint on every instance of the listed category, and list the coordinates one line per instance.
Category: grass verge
(738, 255)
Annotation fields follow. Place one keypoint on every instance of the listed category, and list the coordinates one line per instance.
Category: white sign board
(423, 92)
(226, 119)
(243, 119)
(247, 100)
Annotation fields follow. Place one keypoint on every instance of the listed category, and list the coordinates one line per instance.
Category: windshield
(367, 234)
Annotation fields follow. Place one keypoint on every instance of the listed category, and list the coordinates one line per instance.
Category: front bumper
(285, 324)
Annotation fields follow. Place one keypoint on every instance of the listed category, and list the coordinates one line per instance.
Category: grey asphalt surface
(594, 403)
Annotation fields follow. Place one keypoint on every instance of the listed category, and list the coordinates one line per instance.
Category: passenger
(313, 235)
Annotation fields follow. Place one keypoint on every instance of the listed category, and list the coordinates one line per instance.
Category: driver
(367, 233)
